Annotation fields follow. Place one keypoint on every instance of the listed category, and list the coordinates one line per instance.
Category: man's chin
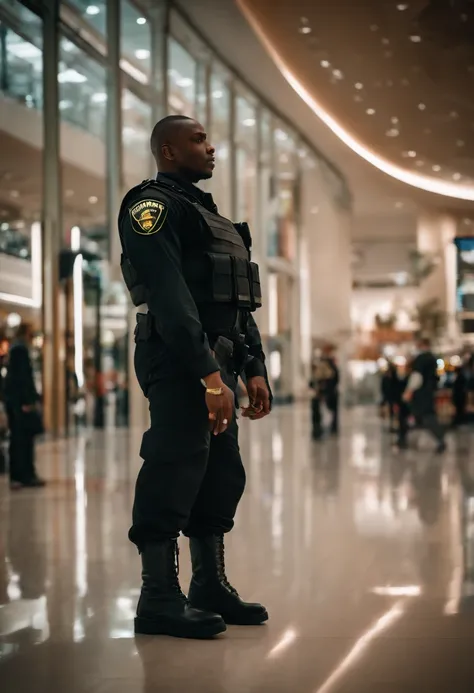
(205, 175)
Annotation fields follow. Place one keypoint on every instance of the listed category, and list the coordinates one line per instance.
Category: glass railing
(20, 69)
(15, 241)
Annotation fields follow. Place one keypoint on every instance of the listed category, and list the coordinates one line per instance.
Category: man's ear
(167, 151)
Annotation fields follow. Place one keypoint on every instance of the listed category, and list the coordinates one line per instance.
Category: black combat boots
(163, 608)
(210, 588)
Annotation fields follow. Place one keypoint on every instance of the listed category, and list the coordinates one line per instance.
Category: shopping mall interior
(344, 137)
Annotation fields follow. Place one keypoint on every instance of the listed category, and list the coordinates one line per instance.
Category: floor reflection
(364, 556)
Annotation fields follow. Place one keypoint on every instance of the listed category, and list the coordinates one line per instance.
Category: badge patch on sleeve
(148, 216)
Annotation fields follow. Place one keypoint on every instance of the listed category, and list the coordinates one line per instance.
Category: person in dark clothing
(398, 386)
(316, 418)
(192, 268)
(22, 402)
(389, 388)
(421, 391)
(329, 387)
(459, 397)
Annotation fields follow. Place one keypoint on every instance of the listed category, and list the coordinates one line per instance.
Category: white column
(327, 231)
(435, 236)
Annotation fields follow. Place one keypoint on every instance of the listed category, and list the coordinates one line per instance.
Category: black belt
(228, 345)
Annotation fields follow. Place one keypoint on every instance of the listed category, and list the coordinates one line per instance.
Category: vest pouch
(222, 281)
(255, 285)
(242, 282)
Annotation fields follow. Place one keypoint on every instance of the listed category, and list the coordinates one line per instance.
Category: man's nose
(211, 149)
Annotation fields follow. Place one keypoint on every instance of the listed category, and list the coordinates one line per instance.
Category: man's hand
(259, 398)
(407, 396)
(220, 407)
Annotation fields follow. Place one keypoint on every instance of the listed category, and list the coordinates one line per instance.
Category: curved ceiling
(394, 80)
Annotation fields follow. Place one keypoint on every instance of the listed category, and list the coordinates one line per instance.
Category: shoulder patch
(148, 216)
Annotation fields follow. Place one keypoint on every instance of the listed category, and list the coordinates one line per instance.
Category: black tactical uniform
(192, 268)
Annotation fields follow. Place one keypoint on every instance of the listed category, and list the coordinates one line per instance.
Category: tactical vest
(217, 265)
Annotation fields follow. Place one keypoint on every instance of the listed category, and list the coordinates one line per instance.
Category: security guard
(192, 269)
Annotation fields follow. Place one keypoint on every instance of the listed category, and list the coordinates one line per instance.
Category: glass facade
(82, 89)
(260, 158)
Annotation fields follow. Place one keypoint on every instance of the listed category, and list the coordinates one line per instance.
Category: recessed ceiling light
(304, 20)
(405, 82)
(370, 111)
(14, 193)
(217, 94)
(389, 82)
(402, 6)
(399, 205)
(93, 199)
(141, 20)
(386, 41)
(454, 114)
(248, 122)
(419, 163)
(393, 132)
(92, 10)
(305, 30)
(436, 167)
(460, 143)
(422, 106)
(358, 98)
(414, 38)
(374, 27)
(457, 176)
(410, 154)
(325, 63)
(338, 74)
(359, 85)
(394, 120)
(142, 53)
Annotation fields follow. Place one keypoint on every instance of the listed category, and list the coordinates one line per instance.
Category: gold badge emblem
(148, 216)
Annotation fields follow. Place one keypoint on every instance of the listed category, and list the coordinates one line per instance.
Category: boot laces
(220, 551)
(174, 577)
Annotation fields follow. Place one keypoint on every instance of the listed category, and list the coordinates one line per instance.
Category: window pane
(220, 138)
(92, 12)
(136, 40)
(182, 80)
(21, 68)
(246, 136)
(284, 241)
(82, 89)
(136, 130)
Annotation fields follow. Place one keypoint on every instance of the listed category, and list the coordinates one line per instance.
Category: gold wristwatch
(217, 391)
(214, 391)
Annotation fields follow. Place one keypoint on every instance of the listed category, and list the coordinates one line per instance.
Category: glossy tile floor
(364, 557)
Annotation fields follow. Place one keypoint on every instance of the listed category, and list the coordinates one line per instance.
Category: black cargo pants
(191, 481)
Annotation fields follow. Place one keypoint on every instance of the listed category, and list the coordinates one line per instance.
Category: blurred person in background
(459, 396)
(329, 386)
(390, 391)
(316, 419)
(421, 389)
(400, 383)
(22, 405)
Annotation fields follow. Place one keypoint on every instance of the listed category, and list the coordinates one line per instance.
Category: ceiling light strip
(416, 180)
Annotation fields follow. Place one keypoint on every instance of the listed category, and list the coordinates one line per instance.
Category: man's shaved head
(179, 145)
(165, 131)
